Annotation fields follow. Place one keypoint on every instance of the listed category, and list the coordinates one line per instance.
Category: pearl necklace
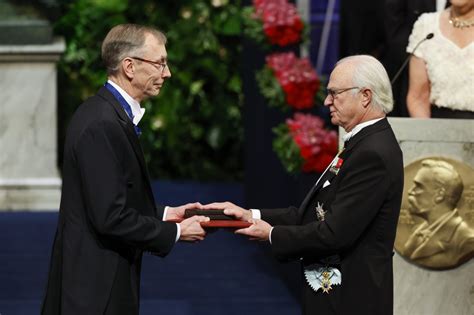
(458, 23)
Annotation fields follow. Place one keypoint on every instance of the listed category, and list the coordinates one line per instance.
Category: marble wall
(29, 178)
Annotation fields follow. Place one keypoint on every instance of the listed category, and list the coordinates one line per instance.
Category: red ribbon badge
(335, 167)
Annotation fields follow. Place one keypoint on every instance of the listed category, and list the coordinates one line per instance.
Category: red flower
(281, 22)
(317, 145)
(297, 78)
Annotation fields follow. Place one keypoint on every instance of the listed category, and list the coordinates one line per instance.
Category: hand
(177, 213)
(231, 209)
(258, 231)
(191, 229)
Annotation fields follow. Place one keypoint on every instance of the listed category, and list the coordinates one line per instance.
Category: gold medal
(326, 282)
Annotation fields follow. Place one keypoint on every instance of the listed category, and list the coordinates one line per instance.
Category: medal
(320, 212)
(326, 282)
(336, 166)
(322, 277)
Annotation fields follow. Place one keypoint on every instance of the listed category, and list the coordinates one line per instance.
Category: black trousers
(321, 303)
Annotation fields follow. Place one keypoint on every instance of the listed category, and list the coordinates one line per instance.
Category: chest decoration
(320, 212)
(336, 166)
(322, 277)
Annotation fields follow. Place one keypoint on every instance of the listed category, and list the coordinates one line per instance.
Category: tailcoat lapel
(350, 145)
(127, 125)
(328, 176)
(352, 142)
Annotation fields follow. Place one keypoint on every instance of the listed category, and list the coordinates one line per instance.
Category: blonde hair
(124, 40)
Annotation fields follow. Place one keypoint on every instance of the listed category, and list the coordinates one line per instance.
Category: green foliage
(271, 88)
(193, 129)
(286, 149)
(253, 27)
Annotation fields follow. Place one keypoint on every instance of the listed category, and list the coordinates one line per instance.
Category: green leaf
(286, 149)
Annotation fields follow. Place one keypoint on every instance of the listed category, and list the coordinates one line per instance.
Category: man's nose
(328, 100)
(166, 72)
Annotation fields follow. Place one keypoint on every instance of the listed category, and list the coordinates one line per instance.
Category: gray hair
(370, 73)
(124, 40)
(446, 177)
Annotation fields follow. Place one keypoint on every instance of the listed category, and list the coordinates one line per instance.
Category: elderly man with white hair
(344, 230)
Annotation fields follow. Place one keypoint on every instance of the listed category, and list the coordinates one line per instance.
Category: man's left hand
(258, 231)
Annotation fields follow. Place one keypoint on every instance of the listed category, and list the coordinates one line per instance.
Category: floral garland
(278, 19)
(302, 143)
(288, 82)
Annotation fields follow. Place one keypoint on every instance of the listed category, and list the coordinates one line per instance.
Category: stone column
(29, 178)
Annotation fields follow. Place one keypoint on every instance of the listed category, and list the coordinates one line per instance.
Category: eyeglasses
(157, 64)
(335, 92)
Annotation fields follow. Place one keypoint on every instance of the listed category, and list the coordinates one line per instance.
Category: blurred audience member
(400, 15)
(441, 70)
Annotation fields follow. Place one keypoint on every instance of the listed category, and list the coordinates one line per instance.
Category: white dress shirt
(359, 127)
(137, 111)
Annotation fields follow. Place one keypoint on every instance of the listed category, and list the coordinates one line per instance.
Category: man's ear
(440, 195)
(366, 97)
(128, 68)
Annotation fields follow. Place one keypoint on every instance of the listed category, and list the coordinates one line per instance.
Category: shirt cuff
(256, 214)
(178, 232)
(164, 213)
(178, 228)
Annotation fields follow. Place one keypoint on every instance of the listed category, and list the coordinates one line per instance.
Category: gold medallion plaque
(436, 225)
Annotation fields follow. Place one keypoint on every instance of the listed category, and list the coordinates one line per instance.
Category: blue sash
(124, 104)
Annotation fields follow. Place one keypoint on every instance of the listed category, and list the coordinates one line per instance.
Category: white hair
(370, 73)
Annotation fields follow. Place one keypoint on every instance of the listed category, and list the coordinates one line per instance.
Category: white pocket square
(326, 184)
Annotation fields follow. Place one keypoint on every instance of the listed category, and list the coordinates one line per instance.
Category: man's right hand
(191, 229)
(231, 209)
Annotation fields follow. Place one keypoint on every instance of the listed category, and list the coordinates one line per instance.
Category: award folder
(218, 219)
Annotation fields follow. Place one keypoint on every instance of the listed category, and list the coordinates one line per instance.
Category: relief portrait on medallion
(435, 228)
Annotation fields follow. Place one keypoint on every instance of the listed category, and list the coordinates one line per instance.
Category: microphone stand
(395, 77)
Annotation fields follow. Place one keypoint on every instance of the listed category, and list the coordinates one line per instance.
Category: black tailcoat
(362, 204)
(107, 216)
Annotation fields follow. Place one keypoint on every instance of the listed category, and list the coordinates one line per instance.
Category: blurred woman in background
(441, 71)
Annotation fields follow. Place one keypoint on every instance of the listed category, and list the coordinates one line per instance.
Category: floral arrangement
(302, 143)
(279, 20)
(289, 80)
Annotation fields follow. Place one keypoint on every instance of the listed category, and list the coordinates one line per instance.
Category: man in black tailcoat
(108, 216)
(344, 230)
